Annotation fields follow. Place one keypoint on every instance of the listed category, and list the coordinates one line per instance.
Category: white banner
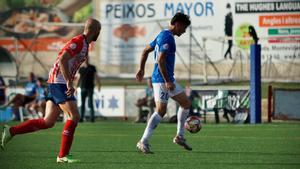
(129, 25)
(109, 102)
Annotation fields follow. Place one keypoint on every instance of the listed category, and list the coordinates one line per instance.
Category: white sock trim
(181, 117)
(152, 124)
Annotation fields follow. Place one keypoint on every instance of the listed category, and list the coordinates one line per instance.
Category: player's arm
(64, 67)
(161, 61)
(77, 80)
(145, 53)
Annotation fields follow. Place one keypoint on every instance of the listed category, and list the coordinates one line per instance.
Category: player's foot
(6, 136)
(182, 142)
(67, 159)
(144, 148)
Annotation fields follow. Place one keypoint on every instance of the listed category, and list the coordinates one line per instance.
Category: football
(193, 124)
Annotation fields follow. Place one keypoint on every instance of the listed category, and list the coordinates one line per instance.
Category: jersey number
(164, 96)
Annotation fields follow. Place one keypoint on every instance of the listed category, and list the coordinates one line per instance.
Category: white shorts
(161, 94)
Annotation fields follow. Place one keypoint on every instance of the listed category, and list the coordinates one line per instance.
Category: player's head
(92, 28)
(180, 22)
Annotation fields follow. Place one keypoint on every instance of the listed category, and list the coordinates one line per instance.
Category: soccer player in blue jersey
(164, 84)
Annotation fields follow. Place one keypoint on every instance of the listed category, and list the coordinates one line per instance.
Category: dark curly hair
(181, 17)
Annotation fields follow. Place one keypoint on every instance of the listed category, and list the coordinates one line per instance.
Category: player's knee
(161, 111)
(49, 124)
(75, 117)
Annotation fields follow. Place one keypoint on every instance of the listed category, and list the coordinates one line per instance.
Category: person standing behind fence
(228, 30)
(87, 77)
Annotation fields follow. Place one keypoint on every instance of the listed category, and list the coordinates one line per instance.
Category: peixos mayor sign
(128, 26)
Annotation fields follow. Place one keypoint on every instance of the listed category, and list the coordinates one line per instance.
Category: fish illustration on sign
(127, 31)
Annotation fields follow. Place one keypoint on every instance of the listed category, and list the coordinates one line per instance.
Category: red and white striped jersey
(78, 48)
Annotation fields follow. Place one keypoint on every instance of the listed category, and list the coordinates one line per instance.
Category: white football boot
(6, 136)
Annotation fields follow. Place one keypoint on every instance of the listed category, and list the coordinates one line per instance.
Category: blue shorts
(57, 93)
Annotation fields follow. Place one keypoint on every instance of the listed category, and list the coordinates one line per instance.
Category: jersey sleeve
(74, 46)
(164, 43)
(153, 43)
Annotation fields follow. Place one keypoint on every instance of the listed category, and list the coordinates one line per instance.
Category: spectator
(222, 102)
(228, 30)
(196, 102)
(22, 100)
(146, 101)
(2, 91)
(39, 105)
(87, 76)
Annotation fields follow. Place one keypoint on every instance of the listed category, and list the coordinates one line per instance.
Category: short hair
(181, 17)
(228, 5)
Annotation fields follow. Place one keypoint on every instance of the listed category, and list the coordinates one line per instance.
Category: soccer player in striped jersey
(164, 84)
(61, 92)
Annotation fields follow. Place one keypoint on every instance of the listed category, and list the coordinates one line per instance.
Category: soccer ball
(193, 124)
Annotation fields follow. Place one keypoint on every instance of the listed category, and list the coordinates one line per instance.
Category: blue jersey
(41, 93)
(164, 42)
(30, 88)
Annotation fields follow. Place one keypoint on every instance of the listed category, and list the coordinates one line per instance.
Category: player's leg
(52, 112)
(70, 108)
(161, 97)
(42, 107)
(183, 111)
(156, 117)
(154, 121)
(180, 97)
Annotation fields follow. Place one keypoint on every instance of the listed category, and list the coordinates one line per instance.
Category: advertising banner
(109, 102)
(128, 26)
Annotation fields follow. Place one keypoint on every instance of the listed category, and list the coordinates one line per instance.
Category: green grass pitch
(111, 144)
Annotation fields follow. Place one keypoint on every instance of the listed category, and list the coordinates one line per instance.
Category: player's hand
(70, 89)
(170, 86)
(140, 75)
